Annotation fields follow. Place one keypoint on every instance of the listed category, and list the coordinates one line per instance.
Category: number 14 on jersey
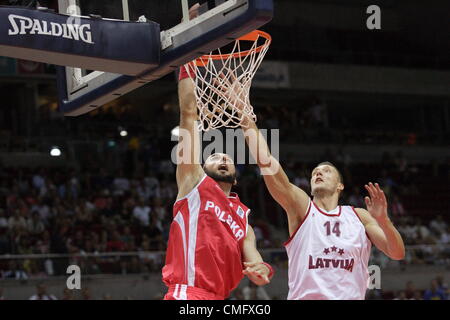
(334, 230)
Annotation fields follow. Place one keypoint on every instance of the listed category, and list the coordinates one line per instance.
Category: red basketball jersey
(205, 240)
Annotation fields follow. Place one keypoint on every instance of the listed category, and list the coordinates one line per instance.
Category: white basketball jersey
(328, 256)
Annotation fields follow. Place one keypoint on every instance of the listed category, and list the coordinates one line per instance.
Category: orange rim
(252, 36)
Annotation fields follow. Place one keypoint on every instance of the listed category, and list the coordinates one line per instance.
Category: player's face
(325, 178)
(220, 167)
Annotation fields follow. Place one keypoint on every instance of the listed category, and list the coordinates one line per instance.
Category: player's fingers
(379, 190)
(224, 78)
(218, 83)
(251, 264)
(250, 269)
(368, 202)
(231, 74)
(372, 188)
(382, 194)
(218, 87)
(375, 190)
(193, 11)
(369, 190)
(375, 193)
(253, 273)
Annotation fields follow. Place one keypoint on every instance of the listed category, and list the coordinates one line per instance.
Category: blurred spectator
(301, 181)
(34, 224)
(438, 225)
(344, 159)
(144, 191)
(166, 167)
(417, 296)
(152, 183)
(128, 239)
(167, 191)
(258, 236)
(379, 258)
(41, 293)
(319, 113)
(15, 271)
(356, 199)
(423, 231)
(410, 290)
(3, 221)
(115, 243)
(434, 293)
(442, 285)
(262, 232)
(237, 294)
(86, 294)
(159, 212)
(445, 237)
(43, 209)
(151, 260)
(396, 207)
(67, 294)
(142, 212)
(254, 292)
(5, 243)
(154, 232)
(387, 182)
(121, 184)
(135, 267)
(374, 294)
(401, 162)
(401, 295)
(39, 180)
(17, 222)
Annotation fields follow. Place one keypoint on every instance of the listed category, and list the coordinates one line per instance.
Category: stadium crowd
(61, 212)
(120, 202)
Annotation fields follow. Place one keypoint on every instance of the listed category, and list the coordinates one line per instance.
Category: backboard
(220, 22)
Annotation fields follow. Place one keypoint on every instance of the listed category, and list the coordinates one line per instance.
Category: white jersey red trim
(328, 256)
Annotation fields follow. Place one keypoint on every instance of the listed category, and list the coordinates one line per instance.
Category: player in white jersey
(329, 245)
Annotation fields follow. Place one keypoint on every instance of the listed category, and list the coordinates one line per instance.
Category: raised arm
(293, 199)
(378, 226)
(189, 170)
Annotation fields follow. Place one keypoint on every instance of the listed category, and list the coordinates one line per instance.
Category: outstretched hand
(193, 11)
(376, 203)
(231, 87)
(257, 272)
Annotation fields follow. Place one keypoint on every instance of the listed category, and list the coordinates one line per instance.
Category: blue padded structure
(138, 53)
(246, 16)
(114, 46)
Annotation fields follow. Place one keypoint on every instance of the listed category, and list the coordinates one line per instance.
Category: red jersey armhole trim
(356, 213)
(327, 214)
(190, 192)
(301, 223)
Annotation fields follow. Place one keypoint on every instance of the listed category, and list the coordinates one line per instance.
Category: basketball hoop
(223, 81)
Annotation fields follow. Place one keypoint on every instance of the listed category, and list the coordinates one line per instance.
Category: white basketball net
(222, 85)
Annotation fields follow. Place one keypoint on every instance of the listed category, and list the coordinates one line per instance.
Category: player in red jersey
(211, 246)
